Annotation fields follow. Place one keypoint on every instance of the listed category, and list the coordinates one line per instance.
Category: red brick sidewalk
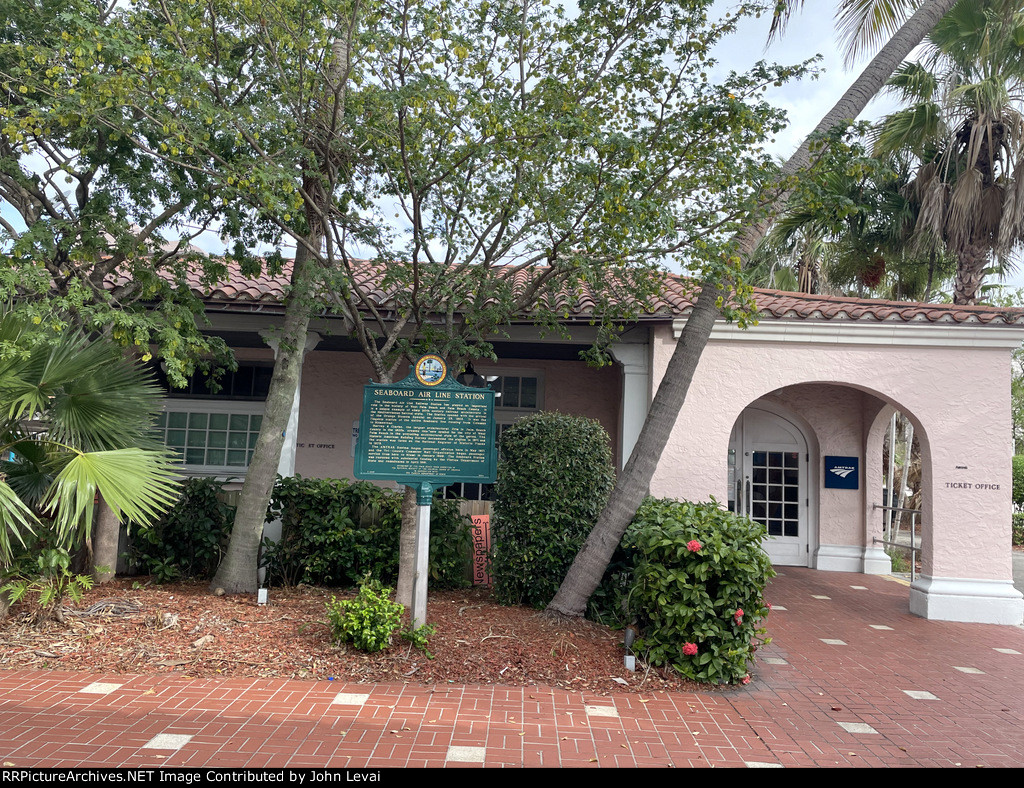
(851, 679)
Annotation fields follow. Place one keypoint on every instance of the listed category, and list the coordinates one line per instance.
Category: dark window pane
(528, 393)
(510, 389)
(792, 528)
(240, 383)
(176, 438)
(261, 381)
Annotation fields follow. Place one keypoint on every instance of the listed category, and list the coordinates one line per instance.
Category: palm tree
(847, 230)
(963, 124)
(74, 418)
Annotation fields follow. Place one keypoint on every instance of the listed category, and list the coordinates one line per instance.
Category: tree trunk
(970, 274)
(106, 537)
(238, 571)
(591, 562)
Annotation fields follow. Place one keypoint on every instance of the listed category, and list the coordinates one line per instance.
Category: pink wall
(958, 398)
(332, 398)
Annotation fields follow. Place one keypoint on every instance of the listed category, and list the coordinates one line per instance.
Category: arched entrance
(769, 462)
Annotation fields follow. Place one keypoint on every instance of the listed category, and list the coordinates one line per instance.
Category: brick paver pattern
(850, 679)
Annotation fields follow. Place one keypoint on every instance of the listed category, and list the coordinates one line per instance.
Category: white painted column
(424, 496)
(636, 393)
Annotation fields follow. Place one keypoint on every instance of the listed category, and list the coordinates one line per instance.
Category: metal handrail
(910, 547)
(895, 508)
(913, 550)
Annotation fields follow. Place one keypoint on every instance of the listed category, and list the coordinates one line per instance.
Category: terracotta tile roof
(675, 301)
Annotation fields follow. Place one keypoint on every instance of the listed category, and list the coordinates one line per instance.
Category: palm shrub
(75, 416)
(554, 476)
(698, 585)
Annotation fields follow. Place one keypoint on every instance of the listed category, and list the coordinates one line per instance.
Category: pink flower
(689, 649)
(769, 605)
(738, 616)
(693, 546)
(746, 679)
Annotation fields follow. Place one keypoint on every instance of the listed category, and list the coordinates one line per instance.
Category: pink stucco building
(784, 421)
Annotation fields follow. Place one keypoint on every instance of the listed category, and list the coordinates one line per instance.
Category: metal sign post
(426, 431)
(424, 496)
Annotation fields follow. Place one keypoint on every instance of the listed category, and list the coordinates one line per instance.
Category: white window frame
(503, 416)
(211, 406)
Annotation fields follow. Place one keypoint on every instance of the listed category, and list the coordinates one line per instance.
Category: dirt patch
(132, 626)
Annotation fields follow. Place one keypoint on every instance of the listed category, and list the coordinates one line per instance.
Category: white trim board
(881, 333)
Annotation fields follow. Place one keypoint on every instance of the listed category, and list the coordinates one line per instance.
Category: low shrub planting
(697, 589)
(369, 621)
(188, 541)
(335, 532)
(1018, 481)
(1018, 528)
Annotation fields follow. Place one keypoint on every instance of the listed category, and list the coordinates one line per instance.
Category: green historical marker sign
(427, 430)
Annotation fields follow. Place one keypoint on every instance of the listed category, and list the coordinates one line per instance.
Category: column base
(967, 599)
(852, 558)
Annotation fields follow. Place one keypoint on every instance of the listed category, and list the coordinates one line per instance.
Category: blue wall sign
(842, 473)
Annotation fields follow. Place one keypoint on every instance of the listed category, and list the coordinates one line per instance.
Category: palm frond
(912, 128)
(965, 200)
(865, 25)
(138, 486)
(16, 519)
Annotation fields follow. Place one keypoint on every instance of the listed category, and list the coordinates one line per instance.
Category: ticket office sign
(427, 428)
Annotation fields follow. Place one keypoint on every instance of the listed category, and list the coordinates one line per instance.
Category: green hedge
(1018, 528)
(554, 475)
(335, 532)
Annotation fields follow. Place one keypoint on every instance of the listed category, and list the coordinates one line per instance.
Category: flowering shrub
(700, 611)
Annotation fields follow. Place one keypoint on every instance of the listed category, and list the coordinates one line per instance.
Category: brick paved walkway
(851, 679)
